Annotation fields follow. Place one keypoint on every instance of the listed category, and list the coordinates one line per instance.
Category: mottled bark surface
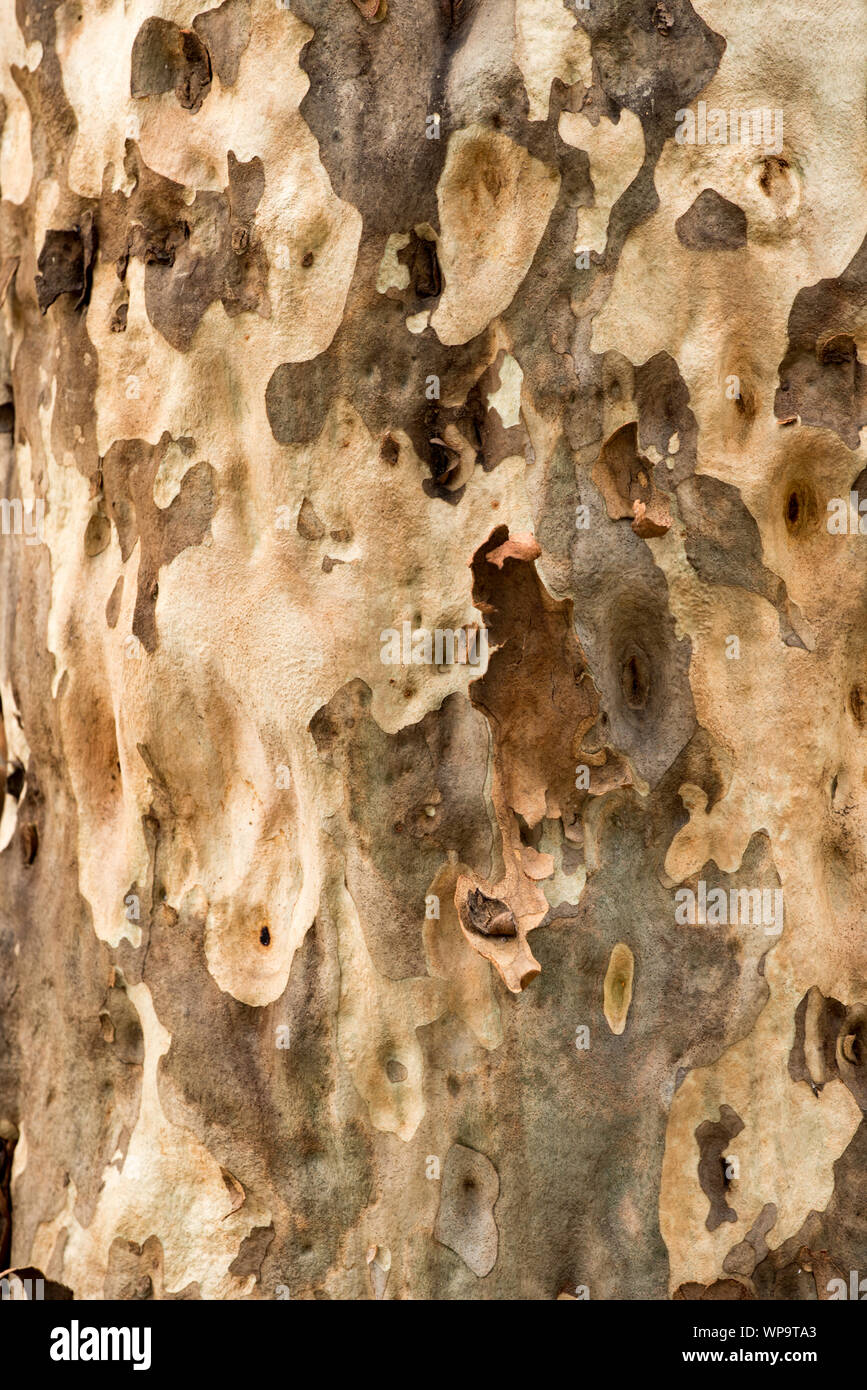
(432, 648)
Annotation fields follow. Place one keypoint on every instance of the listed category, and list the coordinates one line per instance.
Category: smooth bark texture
(432, 648)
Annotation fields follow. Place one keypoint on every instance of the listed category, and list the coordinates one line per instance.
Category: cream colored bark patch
(249, 118)
(200, 1230)
(778, 785)
(804, 216)
(16, 160)
(393, 275)
(616, 153)
(298, 216)
(507, 400)
(495, 201)
(170, 474)
(376, 1028)
(17, 754)
(718, 313)
(549, 44)
(250, 790)
(113, 855)
(785, 1152)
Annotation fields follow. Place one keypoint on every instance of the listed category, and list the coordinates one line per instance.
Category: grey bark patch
(112, 608)
(180, 287)
(623, 617)
(743, 1258)
(137, 1273)
(662, 398)
(252, 1252)
(279, 1138)
(7, 1149)
(128, 1039)
(821, 377)
(712, 1138)
(166, 58)
(720, 1291)
(813, 1055)
(97, 534)
(712, 223)
(392, 847)
(130, 1270)
(309, 525)
(372, 87)
(129, 469)
(851, 1051)
(298, 397)
(465, 1221)
(724, 546)
(246, 186)
(648, 67)
(653, 70)
(62, 267)
(827, 387)
(800, 1267)
(226, 32)
(193, 254)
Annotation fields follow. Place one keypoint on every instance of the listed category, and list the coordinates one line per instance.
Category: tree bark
(432, 663)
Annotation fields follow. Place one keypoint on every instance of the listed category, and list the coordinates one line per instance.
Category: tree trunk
(432, 663)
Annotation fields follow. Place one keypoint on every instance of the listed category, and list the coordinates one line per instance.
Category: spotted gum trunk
(432, 631)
